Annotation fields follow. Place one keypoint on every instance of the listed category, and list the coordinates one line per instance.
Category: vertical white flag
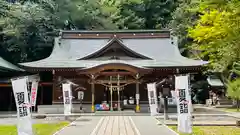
(67, 98)
(34, 90)
(152, 98)
(183, 104)
(24, 125)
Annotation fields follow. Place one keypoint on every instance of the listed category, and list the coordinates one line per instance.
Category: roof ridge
(110, 43)
(118, 31)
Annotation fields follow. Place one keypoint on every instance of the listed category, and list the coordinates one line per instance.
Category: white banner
(24, 125)
(80, 95)
(67, 98)
(183, 104)
(152, 98)
(34, 90)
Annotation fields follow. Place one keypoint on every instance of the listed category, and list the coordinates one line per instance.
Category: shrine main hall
(110, 67)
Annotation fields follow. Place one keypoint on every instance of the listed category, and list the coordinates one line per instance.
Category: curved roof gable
(111, 43)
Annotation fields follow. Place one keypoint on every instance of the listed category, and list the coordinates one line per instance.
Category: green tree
(144, 14)
(125, 13)
(216, 34)
(25, 27)
(28, 27)
(82, 14)
(233, 82)
(185, 16)
(233, 91)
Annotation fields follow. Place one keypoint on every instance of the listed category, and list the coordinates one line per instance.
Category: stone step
(223, 106)
(230, 101)
(225, 102)
(170, 110)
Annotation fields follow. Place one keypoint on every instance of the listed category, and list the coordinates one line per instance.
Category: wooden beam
(41, 83)
(112, 66)
(122, 81)
(5, 85)
(115, 73)
(46, 83)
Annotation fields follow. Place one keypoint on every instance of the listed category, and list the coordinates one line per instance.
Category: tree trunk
(238, 105)
(165, 108)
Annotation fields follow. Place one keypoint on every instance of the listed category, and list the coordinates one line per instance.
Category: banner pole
(29, 96)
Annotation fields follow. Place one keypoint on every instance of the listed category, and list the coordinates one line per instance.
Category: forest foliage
(212, 29)
(206, 29)
(29, 26)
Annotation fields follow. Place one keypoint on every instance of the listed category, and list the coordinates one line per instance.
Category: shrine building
(7, 70)
(109, 67)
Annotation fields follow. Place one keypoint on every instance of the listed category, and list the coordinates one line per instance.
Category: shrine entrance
(113, 95)
(116, 79)
(115, 98)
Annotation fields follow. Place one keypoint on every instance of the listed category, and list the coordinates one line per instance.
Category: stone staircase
(224, 102)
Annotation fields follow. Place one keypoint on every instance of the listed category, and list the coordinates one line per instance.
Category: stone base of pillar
(93, 108)
(137, 108)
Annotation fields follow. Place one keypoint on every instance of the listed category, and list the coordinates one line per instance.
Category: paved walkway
(148, 125)
(116, 125)
(82, 126)
(233, 114)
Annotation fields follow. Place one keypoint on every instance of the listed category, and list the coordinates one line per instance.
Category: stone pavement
(233, 114)
(148, 125)
(81, 126)
(116, 125)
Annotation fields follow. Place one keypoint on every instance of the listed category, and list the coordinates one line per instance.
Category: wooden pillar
(53, 86)
(93, 92)
(118, 88)
(137, 94)
(137, 97)
(42, 95)
(111, 92)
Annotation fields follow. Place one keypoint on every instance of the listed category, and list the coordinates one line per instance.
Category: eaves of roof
(91, 63)
(7, 66)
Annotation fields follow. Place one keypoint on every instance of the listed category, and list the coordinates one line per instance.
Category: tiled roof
(215, 81)
(5, 65)
(66, 53)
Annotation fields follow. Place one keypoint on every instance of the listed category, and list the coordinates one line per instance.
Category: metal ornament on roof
(115, 88)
